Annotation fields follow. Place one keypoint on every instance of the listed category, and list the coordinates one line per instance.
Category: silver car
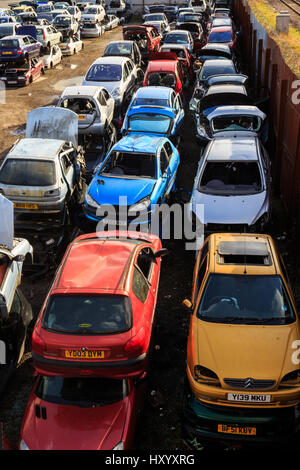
(232, 185)
(43, 173)
(93, 105)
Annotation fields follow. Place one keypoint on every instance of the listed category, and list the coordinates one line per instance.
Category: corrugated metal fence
(267, 67)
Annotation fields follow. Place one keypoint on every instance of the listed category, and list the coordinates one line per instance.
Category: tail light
(120, 122)
(38, 344)
(19, 51)
(136, 344)
(44, 35)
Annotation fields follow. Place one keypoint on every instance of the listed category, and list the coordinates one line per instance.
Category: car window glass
(201, 274)
(145, 261)
(106, 94)
(102, 100)
(125, 72)
(16, 305)
(140, 287)
(164, 162)
(168, 150)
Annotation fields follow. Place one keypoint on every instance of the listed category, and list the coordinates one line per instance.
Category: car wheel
(74, 50)
(51, 65)
(43, 71)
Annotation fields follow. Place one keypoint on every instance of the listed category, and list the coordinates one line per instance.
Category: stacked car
(104, 162)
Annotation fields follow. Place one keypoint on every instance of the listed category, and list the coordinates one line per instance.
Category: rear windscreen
(88, 314)
(28, 172)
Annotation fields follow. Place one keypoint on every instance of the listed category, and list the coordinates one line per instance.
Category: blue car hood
(113, 188)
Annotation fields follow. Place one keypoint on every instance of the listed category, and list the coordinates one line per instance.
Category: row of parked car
(92, 340)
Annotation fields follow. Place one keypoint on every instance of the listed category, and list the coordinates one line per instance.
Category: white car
(232, 186)
(90, 30)
(93, 14)
(94, 106)
(117, 74)
(53, 58)
(71, 45)
(8, 29)
(66, 24)
(110, 22)
(48, 35)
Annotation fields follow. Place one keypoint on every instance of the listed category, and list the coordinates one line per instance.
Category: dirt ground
(160, 425)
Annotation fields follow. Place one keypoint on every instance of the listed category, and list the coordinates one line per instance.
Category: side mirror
(187, 304)
(162, 252)
(3, 308)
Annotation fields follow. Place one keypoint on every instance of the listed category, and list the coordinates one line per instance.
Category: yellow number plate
(25, 205)
(6, 53)
(241, 430)
(86, 354)
(81, 116)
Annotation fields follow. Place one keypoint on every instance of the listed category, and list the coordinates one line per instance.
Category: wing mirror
(162, 252)
(187, 304)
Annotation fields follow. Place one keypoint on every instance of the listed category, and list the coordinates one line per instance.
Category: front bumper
(54, 206)
(200, 425)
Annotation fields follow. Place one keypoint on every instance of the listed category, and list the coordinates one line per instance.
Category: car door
(68, 174)
(164, 173)
(56, 54)
(137, 55)
(110, 104)
(179, 115)
(129, 79)
(34, 46)
(173, 163)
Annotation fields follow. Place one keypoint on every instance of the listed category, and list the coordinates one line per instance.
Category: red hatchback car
(81, 413)
(164, 69)
(98, 316)
(147, 38)
(223, 35)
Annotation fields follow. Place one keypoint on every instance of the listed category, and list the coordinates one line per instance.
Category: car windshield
(197, 3)
(149, 122)
(218, 37)
(43, 8)
(210, 70)
(154, 17)
(115, 4)
(104, 73)
(176, 38)
(6, 30)
(130, 165)
(221, 22)
(62, 20)
(186, 18)
(118, 49)
(233, 177)
(9, 44)
(150, 101)
(165, 79)
(91, 11)
(192, 27)
(236, 123)
(242, 299)
(79, 105)
(88, 314)
(27, 172)
(81, 391)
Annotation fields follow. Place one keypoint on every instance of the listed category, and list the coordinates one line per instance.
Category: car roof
(216, 62)
(81, 90)
(139, 143)
(123, 41)
(154, 92)
(110, 260)
(36, 148)
(233, 149)
(139, 109)
(243, 246)
(161, 65)
(178, 31)
(111, 60)
(221, 29)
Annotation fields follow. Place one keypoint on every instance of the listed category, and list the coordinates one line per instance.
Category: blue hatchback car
(137, 175)
(18, 48)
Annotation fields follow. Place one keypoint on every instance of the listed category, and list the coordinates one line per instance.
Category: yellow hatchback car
(243, 345)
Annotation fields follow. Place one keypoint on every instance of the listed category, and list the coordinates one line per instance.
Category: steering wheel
(221, 299)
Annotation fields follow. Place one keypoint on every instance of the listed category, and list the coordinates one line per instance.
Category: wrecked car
(165, 69)
(42, 173)
(15, 310)
(22, 75)
(146, 37)
(124, 49)
(233, 184)
(71, 45)
(93, 105)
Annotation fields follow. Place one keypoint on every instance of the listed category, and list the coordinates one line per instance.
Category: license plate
(6, 53)
(25, 205)
(12, 82)
(248, 398)
(81, 116)
(240, 430)
(86, 354)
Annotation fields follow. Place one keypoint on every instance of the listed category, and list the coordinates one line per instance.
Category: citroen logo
(83, 349)
(248, 382)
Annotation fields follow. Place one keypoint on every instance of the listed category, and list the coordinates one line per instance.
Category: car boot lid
(50, 122)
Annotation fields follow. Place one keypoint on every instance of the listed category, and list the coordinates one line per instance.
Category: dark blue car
(18, 48)
(135, 178)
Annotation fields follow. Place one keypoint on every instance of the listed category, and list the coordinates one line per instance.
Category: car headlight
(140, 206)
(23, 445)
(292, 379)
(116, 92)
(90, 201)
(205, 376)
(119, 446)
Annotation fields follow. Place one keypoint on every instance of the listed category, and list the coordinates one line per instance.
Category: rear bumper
(127, 368)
